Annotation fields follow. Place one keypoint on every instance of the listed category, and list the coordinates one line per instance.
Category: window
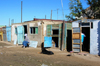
(15, 30)
(34, 30)
(92, 25)
(84, 24)
(55, 32)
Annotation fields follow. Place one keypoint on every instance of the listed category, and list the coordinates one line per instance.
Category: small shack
(1, 34)
(4, 34)
(37, 29)
(91, 28)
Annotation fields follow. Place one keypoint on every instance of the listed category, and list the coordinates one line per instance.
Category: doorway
(25, 30)
(0, 38)
(86, 42)
(69, 40)
(55, 34)
(55, 39)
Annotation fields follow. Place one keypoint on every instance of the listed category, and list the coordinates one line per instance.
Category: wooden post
(42, 32)
(9, 21)
(57, 14)
(51, 14)
(63, 36)
(45, 16)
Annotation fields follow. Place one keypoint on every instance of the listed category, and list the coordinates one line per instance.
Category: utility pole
(9, 21)
(63, 36)
(21, 10)
(63, 27)
(57, 14)
(45, 16)
(51, 14)
(12, 21)
(62, 9)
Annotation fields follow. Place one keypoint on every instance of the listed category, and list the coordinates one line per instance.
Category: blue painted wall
(8, 32)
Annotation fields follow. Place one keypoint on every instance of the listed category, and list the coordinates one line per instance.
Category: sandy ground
(12, 55)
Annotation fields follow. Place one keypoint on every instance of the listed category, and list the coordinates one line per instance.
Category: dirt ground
(12, 55)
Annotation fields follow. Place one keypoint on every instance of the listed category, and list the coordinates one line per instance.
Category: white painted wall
(13, 35)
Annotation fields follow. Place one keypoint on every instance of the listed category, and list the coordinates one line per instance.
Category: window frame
(33, 33)
(16, 30)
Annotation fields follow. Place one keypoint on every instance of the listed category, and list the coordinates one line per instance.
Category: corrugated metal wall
(69, 26)
(8, 33)
(59, 27)
(4, 34)
(49, 30)
(1, 34)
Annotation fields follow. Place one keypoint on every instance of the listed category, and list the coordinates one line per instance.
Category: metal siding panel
(47, 41)
(77, 40)
(4, 37)
(60, 32)
(69, 26)
(76, 50)
(65, 36)
(55, 26)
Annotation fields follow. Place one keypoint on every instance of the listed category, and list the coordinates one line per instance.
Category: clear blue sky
(32, 8)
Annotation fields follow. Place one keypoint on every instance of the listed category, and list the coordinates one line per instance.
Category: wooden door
(76, 40)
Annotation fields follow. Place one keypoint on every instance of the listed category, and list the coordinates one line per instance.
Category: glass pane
(31, 30)
(36, 30)
(76, 40)
(76, 30)
(15, 30)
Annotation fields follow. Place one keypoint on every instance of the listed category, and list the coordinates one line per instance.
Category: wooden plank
(76, 35)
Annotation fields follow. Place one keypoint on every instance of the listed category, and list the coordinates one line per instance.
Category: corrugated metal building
(91, 29)
(4, 34)
(1, 34)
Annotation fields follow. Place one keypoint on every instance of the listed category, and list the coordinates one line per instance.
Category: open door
(76, 39)
(20, 36)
